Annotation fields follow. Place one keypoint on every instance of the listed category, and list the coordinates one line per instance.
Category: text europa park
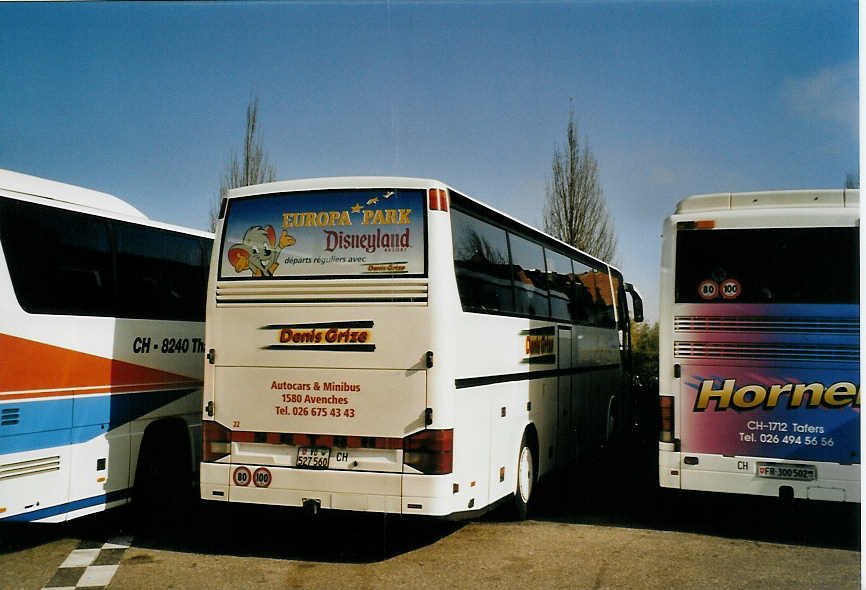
(813, 395)
(338, 218)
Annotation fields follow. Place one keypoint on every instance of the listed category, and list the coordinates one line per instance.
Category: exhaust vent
(10, 416)
(33, 467)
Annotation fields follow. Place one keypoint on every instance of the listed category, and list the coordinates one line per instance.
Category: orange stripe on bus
(30, 365)
(100, 390)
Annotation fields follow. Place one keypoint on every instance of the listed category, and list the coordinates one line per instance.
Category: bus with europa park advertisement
(101, 353)
(391, 345)
(759, 355)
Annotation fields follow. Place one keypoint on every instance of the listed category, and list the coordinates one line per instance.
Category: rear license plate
(787, 471)
(313, 457)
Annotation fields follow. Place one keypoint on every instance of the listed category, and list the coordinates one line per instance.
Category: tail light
(666, 427)
(430, 451)
(216, 441)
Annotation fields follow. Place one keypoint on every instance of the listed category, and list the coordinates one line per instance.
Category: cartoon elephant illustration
(259, 251)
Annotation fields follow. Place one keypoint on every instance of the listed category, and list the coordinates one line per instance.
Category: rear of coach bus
(759, 345)
(322, 350)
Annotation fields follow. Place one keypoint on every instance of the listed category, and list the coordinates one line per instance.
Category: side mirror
(636, 302)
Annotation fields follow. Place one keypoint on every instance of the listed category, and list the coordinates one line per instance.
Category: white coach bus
(101, 351)
(390, 345)
(759, 351)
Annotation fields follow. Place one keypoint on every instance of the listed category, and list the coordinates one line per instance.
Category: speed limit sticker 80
(708, 290)
(242, 476)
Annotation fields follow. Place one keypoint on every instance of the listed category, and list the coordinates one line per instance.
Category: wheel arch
(164, 432)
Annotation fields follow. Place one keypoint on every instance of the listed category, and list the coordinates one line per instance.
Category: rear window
(779, 265)
(334, 233)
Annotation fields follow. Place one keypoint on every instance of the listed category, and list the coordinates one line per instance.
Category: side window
(620, 302)
(206, 247)
(59, 261)
(586, 293)
(605, 317)
(481, 264)
(528, 272)
(594, 293)
(159, 274)
(560, 279)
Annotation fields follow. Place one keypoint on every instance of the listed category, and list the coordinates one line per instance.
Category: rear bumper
(393, 493)
(715, 473)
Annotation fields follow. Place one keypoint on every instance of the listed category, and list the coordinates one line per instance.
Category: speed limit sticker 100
(730, 289)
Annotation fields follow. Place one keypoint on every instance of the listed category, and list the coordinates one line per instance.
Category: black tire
(163, 477)
(526, 477)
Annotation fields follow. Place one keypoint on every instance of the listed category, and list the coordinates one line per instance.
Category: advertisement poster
(788, 413)
(335, 233)
(783, 386)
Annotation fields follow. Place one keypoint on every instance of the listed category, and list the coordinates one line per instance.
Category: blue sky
(146, 101)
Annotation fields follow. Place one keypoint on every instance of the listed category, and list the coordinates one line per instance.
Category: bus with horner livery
(101, 353)
(391, 345)
(759, 356)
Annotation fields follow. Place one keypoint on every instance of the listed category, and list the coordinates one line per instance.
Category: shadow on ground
(614, 487)
(619, 487)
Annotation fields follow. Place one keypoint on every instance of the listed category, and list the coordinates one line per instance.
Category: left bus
(101, 342)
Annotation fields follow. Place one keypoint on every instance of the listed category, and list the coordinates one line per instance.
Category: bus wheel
(525, 480)
(163, 476)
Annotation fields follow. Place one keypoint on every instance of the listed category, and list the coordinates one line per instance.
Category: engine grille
(775, 351)
(816, 325)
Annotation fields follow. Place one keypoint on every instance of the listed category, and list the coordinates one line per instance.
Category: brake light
(216, 440)
(666, 427)
(430, 451)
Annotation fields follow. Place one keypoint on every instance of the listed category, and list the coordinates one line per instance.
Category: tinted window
(481, 264)
(791, 265)
(528, 273)
(62, 262)
(560, 279)
(159, 273)
(206, 247)
(619, 301)
(594, 295)
(59, 261)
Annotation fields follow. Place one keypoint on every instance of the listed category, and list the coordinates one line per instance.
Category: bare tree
(251, 168)
(575, 210)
